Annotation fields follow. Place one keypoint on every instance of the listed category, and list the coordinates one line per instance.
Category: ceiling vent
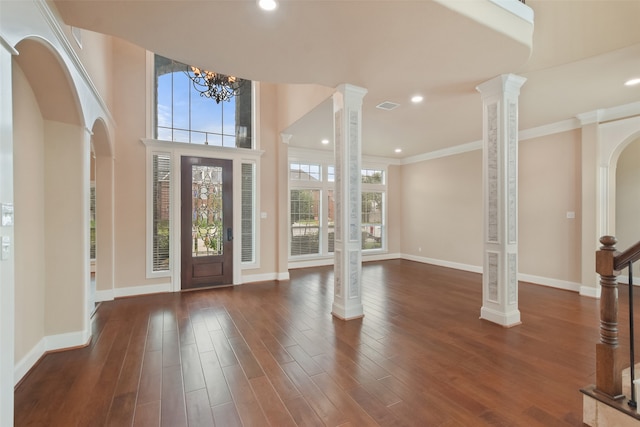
(387, 105)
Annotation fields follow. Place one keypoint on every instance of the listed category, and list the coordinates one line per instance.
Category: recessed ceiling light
(417, 98)
(325, 141)
(267, 4)
(632, 82)
(398, 150)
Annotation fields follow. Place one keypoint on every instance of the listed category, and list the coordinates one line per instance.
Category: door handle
(229, 234)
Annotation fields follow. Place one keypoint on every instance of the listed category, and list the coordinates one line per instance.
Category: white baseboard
(552, 283)
(253, 278)
(107, 295)
(441, 263)
(46, 344)
(590, 291)
(320, 262)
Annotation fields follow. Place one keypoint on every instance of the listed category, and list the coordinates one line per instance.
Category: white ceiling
(582, 52)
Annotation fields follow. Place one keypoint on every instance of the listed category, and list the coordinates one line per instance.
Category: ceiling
(576, 59)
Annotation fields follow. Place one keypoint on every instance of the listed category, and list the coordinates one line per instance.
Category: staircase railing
(609, 263)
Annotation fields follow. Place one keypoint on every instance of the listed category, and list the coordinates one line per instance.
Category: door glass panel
(206, 227)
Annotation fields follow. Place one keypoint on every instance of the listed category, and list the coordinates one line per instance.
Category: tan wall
(66, 225)
(441, 210)
(628, 199)
(394, 209)
(269, 139)
(29, 219)
(550, 186)
(96, 57)
(297, 100)
(130, 166)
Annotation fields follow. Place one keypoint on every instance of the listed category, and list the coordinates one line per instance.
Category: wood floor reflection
(271, 354)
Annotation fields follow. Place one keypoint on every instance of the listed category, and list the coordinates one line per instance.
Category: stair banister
(608, 369)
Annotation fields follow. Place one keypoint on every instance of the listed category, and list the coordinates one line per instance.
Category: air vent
(387, 105)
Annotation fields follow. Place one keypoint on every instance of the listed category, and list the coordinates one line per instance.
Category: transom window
(182, 115)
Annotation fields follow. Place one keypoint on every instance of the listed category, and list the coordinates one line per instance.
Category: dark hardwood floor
(271, 354)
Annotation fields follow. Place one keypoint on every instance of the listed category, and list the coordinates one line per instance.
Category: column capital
(285, 138)
(503, 84)
(349, 89)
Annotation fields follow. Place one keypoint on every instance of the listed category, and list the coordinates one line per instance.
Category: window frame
(326, 160)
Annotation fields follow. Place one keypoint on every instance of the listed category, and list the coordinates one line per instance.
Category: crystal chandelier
(216, 86)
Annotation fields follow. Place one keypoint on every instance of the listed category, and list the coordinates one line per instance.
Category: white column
(7, 261)
(347, 124)
(500, 183)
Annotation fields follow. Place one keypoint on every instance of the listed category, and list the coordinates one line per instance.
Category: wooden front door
(207, 220)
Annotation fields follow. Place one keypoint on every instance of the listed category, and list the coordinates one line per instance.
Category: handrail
(622, 259)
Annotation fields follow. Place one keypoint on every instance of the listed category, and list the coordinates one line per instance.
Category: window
(161, 175)
(372, 220)
(248, 212)
(305, 225)
(312, 208)
(182, 115)
(304, 172)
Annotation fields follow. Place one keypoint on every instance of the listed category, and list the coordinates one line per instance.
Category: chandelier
(216, 86)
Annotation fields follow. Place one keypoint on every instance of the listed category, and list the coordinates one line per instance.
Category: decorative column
(347, 124)
(500, 183)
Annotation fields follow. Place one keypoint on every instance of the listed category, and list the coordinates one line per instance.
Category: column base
(505, 319)
(342, 313)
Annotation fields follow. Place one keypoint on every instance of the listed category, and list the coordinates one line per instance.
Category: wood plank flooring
(271, 354)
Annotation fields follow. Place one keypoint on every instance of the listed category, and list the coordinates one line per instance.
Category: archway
(51, 191)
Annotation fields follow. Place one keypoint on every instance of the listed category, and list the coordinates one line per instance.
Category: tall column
(347, 124)
(500, 183)
(7, 237)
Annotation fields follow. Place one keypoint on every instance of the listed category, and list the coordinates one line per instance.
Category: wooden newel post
(608, 371)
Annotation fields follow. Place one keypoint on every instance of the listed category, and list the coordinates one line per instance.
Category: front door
(207, 219)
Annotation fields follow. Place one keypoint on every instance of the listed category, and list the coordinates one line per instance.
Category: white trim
(590, 291)
(550, 129)
(517, 8)
(445, 152)
(131, 291)
(552, 283)
(28, 361)
(442, 263)
(49, 343)
(54, 25)
(265, 277)
(106, 295)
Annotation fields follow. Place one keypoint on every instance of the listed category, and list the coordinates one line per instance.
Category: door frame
(186, 257)
(173, 277)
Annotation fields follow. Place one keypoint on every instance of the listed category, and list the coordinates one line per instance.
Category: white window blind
(248, 214)
(161, 209)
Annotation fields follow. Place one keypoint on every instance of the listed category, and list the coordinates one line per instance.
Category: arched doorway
(51, 198)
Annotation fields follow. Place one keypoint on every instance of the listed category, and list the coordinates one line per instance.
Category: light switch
(263, 215)
(6, 211)
(571, 215)
(6, 248)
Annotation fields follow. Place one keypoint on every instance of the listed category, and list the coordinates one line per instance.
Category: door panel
(207, 220)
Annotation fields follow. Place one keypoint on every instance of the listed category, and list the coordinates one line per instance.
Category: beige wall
(66, 205)
(130, 166)
(269, 139)
(441, 210)
(29, 219)
(297, 100)
(628, 200)
(394, 209)
(550, 186)
(96, 56)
